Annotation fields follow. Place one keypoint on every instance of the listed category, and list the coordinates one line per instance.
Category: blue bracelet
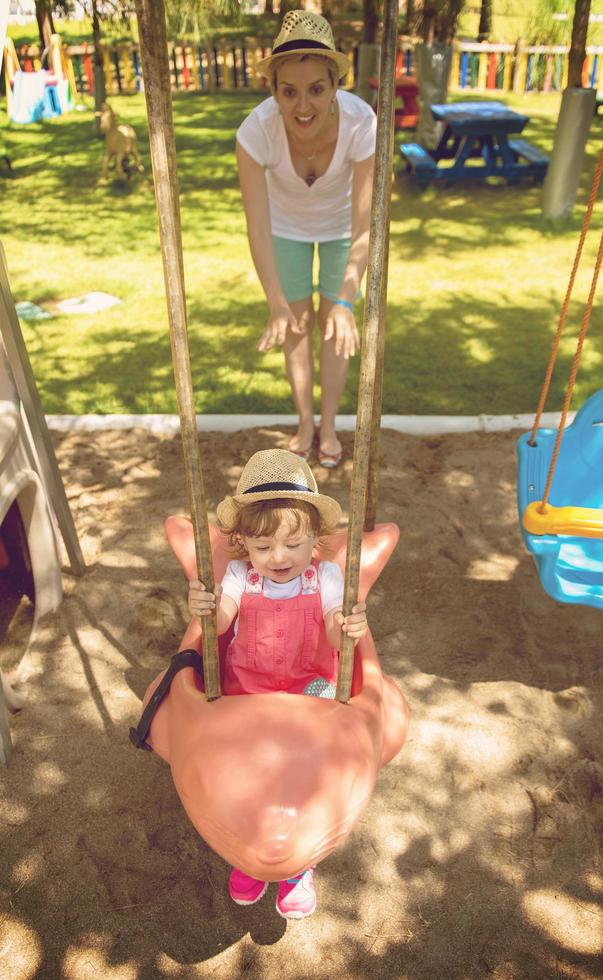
(344, 302)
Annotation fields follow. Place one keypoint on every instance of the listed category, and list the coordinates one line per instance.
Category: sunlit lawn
(476, 276)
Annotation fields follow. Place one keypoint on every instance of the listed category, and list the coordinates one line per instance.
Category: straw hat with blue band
(277, 474)
(303, 32)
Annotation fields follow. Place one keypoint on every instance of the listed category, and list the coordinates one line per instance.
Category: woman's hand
(280, 320)
(201, 602)
(341, 325)
(356, 624)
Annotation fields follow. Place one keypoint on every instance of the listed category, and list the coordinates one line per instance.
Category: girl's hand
(342, 326)
(200, 602)
(280, 320)
(356, 624)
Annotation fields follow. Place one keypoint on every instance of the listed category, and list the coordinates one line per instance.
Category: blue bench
(419, 161)
(538, 160)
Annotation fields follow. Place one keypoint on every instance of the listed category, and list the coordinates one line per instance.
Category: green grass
(477, 277)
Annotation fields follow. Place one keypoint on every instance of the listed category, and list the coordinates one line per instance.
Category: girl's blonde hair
(262, 518)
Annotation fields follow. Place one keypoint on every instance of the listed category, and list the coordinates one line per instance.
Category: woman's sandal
(306, 453)
(330, 461)
(303, 453)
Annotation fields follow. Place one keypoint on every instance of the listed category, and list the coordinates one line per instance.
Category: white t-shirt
(330, 585)
(322, 212)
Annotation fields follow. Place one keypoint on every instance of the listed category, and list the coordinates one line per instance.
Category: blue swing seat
(570, 566)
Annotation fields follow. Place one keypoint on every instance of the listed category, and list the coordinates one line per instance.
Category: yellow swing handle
(581, 522)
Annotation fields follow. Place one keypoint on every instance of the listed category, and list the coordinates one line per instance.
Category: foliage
(438, 20)
(196, 19)
(510, 20)
(544, 28)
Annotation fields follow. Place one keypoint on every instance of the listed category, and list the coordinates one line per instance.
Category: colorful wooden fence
(229, 66)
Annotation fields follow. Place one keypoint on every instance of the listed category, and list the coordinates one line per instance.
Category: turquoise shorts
(295, 261)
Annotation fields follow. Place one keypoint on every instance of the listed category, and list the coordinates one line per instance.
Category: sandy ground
(479, 855)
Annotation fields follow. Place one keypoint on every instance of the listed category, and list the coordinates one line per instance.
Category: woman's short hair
(330, 66)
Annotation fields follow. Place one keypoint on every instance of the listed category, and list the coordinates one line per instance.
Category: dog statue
(120, 143)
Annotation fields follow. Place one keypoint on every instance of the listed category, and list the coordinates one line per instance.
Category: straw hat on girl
(277, 474)
(303, 32)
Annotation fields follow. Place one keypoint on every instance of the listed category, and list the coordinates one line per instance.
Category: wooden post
(565, 73)
(107, 71)
(349, 78)
(125, 61)
(482, 70)
(455, 69)
(195, 69)
(507, 72)
(156, 72)
(521, 68)
(210, 77)
(372, 334)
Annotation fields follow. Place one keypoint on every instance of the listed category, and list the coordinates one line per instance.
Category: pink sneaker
(296, 896)
(245, 890)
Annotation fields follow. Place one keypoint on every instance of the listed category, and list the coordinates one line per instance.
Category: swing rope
(156, 71)
(373, 340)
(570, 388)
(557, 339)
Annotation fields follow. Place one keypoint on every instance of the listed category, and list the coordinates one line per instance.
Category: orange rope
(555, 347)
(572, 377)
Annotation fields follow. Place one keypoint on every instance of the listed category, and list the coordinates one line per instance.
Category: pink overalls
(281, 644)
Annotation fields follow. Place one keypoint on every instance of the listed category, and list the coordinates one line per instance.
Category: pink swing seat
(275, 782)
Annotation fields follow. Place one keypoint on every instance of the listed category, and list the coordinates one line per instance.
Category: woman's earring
(332, 109)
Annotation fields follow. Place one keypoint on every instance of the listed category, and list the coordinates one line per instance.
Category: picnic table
(475, 144)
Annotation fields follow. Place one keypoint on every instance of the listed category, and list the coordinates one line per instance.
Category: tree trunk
(99, 72)
(567, 159)
(433, 62)
(269, 8)
(578, 46)
(371, 21)
(45, 22)
(409, 16)
(485, 21)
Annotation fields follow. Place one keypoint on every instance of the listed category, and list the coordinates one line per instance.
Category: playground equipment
(41, 93)
(273, 782)
(560, 475)
(31, 489)
(293, 791)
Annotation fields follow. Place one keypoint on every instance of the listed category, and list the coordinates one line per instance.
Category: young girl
(285, 605)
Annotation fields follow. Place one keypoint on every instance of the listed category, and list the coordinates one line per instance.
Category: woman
(305, 159)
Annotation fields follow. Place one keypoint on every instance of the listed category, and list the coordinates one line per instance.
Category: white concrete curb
(416, 425)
